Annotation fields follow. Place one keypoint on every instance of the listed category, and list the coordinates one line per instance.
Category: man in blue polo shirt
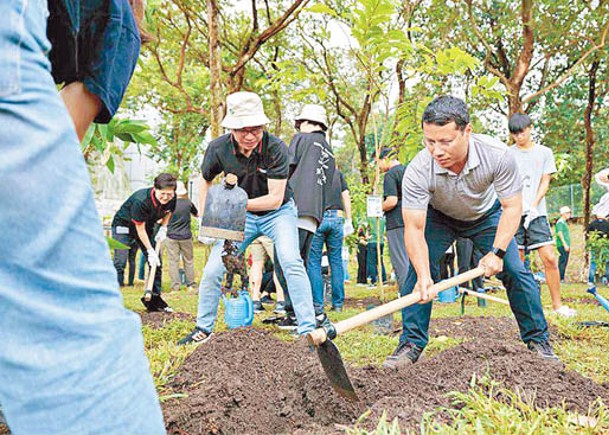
(260, 162)
(71, 356)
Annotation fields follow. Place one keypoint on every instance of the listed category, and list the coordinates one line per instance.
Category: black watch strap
(498, 252)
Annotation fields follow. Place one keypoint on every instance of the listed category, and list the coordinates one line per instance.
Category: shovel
(150, 280)
(329, 354)
(225, 211)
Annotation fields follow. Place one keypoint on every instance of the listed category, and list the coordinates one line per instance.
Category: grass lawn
(584, 351)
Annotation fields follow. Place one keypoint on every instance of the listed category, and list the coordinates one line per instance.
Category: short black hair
(165, 180)
(518, 122)
(446, 109)
(386, 152)
(318, 124)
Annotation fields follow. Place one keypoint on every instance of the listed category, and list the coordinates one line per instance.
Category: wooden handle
(319, 335)
(483, 296)
(150, 280)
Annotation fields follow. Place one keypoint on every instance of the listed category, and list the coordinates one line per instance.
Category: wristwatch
(498, 252)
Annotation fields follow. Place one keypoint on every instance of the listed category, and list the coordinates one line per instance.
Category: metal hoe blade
(333, 365)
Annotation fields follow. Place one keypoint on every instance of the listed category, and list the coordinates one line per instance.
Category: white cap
(565, 209)
(602, 178)
(181, 189)
(315, 113)
(244, 109)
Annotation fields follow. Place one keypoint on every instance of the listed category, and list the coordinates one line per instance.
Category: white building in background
(133, 171)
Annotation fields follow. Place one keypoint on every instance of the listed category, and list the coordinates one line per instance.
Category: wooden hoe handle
(150, 280)
(318, 336)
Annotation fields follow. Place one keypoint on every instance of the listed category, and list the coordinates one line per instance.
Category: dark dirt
(249, 382)
(157, 320)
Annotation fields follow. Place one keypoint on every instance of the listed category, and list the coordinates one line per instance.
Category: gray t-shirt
(490, 172)
(533, 164)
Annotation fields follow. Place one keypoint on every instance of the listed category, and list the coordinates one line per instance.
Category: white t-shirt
(533, 164)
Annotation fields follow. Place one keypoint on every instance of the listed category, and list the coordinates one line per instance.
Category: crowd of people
(68, 311)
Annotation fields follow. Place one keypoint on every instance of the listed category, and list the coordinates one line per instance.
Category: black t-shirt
(179, 225)
(339, 185)
(311, 173)
(268, 161)
(142, 207)
(392, 186)
(601, 226)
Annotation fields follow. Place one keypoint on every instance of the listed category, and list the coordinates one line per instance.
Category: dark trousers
(305, 238)
(372, 263)
(563, 260)
(467, 259)
(440, 232)
(362, 273)
(122, 257)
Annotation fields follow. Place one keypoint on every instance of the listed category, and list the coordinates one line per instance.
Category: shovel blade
(225, 213)
(333, 365)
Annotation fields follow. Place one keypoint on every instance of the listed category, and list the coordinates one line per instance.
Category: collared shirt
(96, 42)
(490, 172)
(142, 207)
(269, 161)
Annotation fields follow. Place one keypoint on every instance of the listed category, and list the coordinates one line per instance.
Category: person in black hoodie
(311, 173)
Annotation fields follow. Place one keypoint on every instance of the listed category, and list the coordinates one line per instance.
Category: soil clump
(249, 382)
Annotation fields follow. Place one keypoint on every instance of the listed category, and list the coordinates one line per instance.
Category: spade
(329, 354)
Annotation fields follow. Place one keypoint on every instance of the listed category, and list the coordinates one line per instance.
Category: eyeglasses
(252, 130)
(440, 143)
(165, 194)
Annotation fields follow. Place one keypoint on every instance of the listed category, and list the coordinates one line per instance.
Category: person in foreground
(71, 356)
(463, 185)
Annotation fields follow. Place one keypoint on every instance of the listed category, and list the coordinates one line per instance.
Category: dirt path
(248, 381)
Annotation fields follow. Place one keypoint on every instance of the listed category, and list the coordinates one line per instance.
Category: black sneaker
(543, 349)
(406, 354)
(197, 336)
(322, 320)
(266, 299)
(258, 308)
(288, 323)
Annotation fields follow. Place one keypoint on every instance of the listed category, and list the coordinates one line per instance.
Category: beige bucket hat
(244, 109)
(313, 112)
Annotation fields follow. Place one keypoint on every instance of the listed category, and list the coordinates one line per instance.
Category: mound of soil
(157, 320)
(248, 381)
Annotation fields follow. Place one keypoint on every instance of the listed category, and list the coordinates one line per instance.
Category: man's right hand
(422, 286)
(153, 258)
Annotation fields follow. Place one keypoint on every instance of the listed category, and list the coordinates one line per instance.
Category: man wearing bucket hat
(311, 172)
(260, 162)
(468, 185)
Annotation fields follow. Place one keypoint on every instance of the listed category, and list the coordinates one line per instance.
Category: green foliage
(115, 244)
(100, 140)
(598, 245)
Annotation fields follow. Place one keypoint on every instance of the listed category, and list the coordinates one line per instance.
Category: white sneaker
(565, 311)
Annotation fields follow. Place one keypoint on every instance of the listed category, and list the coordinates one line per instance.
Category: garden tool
(150, 279)
(604, 302)
(329, 354)
(225, 209)
(483, 296)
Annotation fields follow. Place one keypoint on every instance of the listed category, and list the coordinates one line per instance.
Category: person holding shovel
(463, 185)
(135, 220)
(72, 357)
(260, 162)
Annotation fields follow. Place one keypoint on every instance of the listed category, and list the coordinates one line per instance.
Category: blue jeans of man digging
(280, 226)
(329, 232)
(440, 232)
(71, 356)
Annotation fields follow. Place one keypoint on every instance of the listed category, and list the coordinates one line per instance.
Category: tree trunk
(215, 68)
(587, 179)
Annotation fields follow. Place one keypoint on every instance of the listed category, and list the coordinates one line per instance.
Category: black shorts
(537, 235)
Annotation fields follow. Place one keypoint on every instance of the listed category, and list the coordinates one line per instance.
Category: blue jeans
(593, 267)
(440, 232)
(329, 232)
(280, 226)
(372, 262)
(71, 356)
